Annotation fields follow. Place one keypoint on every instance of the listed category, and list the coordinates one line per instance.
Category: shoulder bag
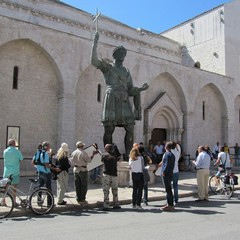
(146, 176)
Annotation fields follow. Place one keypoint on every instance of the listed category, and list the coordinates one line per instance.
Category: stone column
(188, 132)
(225, 130)
(179, 134)
(66, 120)
(168, 134)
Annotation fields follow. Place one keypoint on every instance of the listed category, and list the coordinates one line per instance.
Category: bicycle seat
(33, 180)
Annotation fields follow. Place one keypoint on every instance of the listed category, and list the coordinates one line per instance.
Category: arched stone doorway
(158, 135)
(165, 119)
(164, 107)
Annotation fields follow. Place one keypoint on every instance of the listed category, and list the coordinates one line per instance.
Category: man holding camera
(42, 161)
(110, 180)
(80, 159)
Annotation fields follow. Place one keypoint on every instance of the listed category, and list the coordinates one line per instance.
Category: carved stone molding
(61, 20)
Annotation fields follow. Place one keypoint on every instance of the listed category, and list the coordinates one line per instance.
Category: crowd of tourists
(165, 156)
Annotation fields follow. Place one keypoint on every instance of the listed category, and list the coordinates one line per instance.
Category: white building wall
(203, 36)
(60, 38)
(212, 39)
(232, 39)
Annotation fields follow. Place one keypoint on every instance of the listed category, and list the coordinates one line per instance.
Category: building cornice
(78, 25)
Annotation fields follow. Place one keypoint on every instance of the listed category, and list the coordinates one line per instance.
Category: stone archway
(162, 113)
(164, 106)
(34, 105)
(210, 117)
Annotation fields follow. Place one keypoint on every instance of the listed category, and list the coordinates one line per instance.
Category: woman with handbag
(146, 161)
(62, 178)
(135, 164)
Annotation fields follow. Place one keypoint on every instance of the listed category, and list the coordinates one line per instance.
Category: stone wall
(56, 98)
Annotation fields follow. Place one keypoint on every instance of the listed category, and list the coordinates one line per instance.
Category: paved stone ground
(187, 187)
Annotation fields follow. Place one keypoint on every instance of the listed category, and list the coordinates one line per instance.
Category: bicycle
(186, 164)
(39, 200)
(223, 185)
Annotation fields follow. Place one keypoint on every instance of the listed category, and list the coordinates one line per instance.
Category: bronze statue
(117, 109)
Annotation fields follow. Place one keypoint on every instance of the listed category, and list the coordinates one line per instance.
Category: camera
(114, 150)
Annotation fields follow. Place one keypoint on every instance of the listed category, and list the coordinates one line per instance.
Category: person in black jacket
(167, 165)
(62, 178)
(110, 180)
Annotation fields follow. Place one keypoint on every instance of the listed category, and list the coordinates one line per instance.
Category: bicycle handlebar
(10, 177)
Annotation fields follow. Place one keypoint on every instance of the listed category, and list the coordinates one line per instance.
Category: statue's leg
(108, 132)
(128, 140)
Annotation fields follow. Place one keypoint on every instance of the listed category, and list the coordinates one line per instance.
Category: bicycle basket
(226, 179)
(235, 180)
(4, 182)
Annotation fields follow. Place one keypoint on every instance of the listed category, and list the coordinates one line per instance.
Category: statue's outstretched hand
(145, 86)
(96, 38)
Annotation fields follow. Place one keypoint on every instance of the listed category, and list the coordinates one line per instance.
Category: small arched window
(99, 88)
(15, 77)
(203, 110)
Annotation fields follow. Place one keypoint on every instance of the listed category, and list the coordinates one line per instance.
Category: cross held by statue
(96, 19)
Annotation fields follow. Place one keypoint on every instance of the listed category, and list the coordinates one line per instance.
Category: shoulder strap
(120, 78)
(142, 160)
(225, 160)
(39, 162)
(43, 156)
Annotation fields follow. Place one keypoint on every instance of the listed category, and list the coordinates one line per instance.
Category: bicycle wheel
(6, 204)
(230, 188)
(227, 191)
(41, 201)
(214, 185)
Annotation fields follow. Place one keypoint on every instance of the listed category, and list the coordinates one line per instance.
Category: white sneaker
(139, 208)
(134, 206)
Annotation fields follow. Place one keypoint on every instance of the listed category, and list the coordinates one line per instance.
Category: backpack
(38, 161)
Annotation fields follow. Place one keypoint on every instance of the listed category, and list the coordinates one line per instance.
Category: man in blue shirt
(12, 158)
(167, 165)
(41, 160)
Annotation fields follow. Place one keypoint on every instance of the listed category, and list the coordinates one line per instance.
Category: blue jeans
(95, 173)
(137, 188)
(175, 186)
(145, 192)
(45, 179)
(168, 188)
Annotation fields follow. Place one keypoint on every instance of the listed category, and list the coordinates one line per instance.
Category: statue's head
(119, 52)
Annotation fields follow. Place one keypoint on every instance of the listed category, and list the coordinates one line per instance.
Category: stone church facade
(50, 91)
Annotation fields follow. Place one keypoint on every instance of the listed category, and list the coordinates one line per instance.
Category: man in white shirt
(159, 149)
(225, 160)
(176, 153)
(202, 165)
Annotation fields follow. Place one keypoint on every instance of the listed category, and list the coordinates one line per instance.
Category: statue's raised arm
(94, 58)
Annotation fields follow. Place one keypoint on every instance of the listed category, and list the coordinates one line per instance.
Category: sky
(152, 15)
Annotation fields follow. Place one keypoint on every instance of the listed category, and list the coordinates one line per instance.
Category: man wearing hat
(79, 159)
(117, 110)
(42, 161)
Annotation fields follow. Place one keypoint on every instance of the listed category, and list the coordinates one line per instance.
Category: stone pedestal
(124, 174)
